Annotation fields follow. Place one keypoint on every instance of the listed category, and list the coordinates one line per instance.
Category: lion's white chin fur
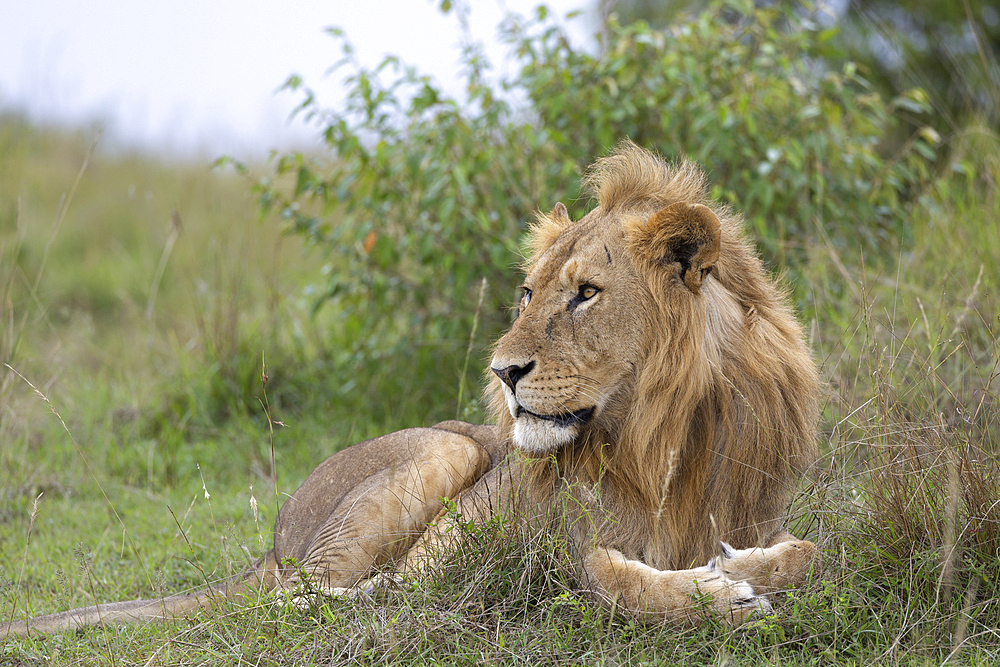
(536, 436)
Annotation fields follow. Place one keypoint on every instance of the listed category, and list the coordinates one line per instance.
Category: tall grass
(908, 497)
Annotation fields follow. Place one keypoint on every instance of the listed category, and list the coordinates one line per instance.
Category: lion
(654, 401)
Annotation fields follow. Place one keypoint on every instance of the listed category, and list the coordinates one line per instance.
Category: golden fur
(654, 394)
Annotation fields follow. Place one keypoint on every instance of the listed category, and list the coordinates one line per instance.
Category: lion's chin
(537, 437)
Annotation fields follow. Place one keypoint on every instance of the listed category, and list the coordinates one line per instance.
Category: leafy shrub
(790, 137)
(426, 195)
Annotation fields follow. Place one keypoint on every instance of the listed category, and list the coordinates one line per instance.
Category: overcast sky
(200, 75)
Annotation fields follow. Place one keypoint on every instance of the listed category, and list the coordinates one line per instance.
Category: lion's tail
(260, 577)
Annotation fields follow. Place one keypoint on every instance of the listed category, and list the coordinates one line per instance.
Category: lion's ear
(547, 229)
(688, 235)
(560, 215)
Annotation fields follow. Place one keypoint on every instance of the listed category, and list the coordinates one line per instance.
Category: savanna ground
(140, 301)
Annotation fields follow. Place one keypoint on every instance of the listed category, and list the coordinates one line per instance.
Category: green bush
(425, 196)
(789, 136)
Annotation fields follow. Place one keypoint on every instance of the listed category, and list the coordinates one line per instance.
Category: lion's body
(655, 377)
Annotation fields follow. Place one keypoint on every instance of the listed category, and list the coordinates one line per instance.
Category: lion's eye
(526, 299)
(586, 293)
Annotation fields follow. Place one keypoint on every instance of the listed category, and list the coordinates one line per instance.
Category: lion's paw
(734, 600)
(782, 566)
(737, 602)
(743, 604)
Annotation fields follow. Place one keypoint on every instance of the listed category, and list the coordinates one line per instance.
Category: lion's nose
(512, 374)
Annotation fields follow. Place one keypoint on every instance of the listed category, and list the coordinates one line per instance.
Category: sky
(202, 76)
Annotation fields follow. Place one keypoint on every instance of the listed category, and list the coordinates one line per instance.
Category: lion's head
(651, 351)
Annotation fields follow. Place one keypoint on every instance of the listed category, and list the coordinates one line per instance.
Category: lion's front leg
(671, 595)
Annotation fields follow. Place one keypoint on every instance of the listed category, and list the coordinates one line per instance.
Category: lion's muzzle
(538, 430)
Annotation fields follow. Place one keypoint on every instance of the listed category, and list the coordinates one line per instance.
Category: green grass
(143, 480)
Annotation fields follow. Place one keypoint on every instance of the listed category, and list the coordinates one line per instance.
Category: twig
(468, 351)
(20, 574)
(175, 232)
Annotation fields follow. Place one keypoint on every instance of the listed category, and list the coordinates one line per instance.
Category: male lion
(655, 403)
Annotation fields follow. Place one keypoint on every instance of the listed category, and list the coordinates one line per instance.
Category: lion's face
(571, 358)
(571, 354)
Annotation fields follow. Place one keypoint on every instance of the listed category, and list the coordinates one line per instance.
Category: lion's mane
(723, 411)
